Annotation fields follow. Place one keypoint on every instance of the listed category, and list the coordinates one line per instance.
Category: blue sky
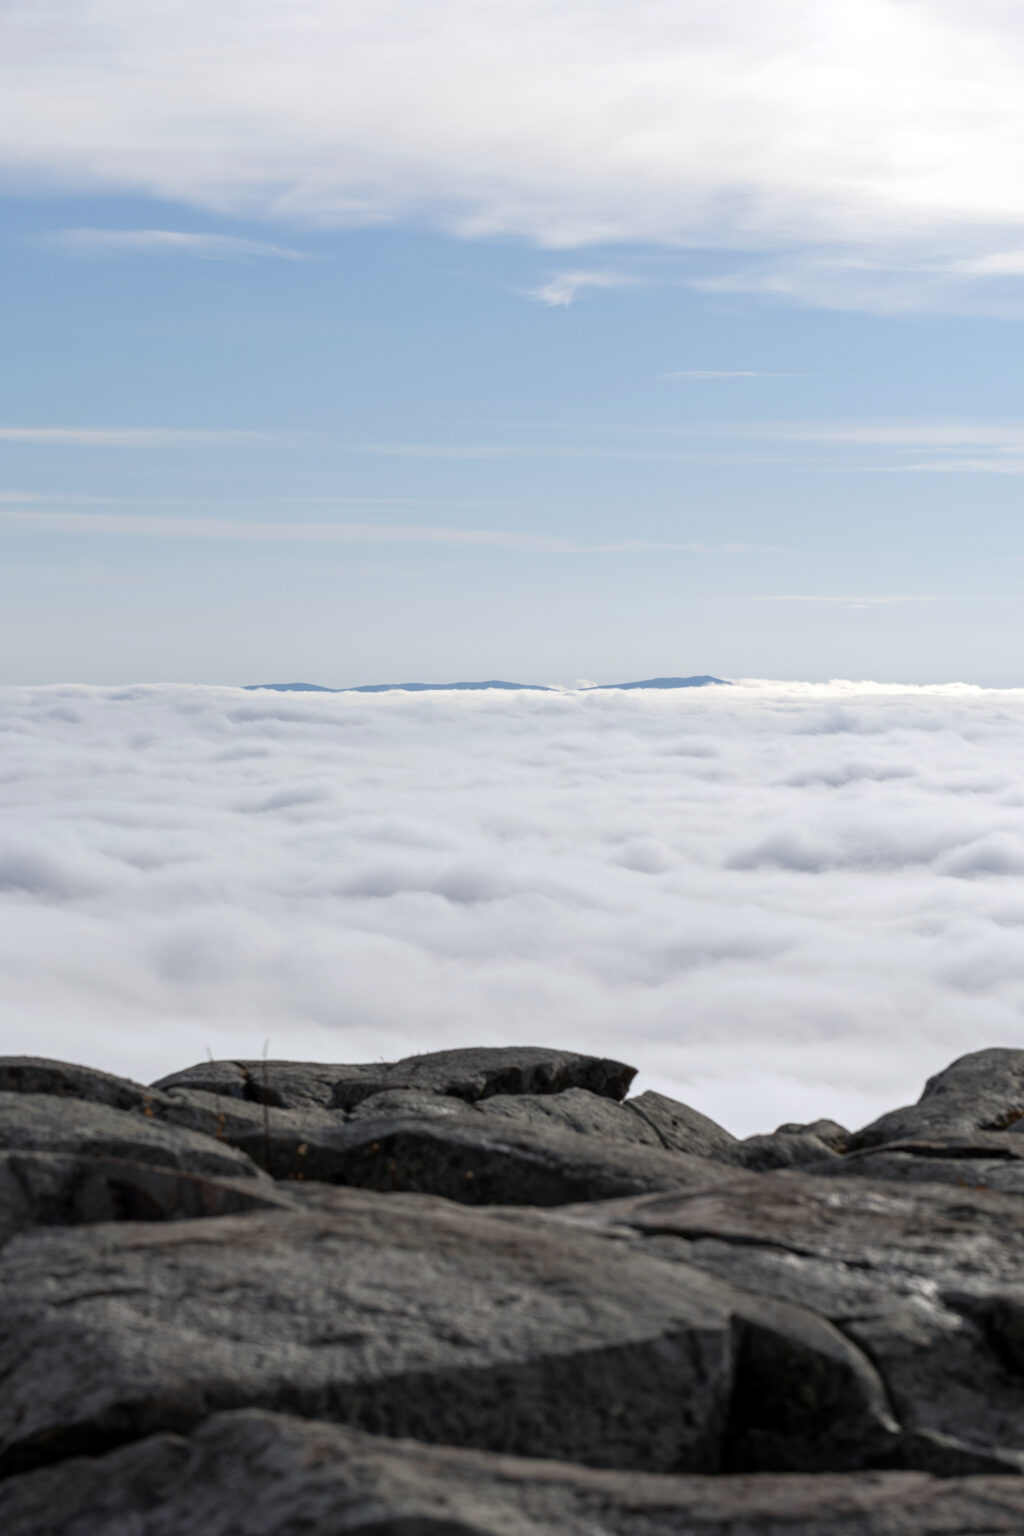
(338, 364)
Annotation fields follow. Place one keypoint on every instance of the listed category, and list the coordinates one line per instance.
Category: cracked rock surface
(487, 1291)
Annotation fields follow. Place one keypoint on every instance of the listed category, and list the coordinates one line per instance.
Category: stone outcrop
(487, 1292)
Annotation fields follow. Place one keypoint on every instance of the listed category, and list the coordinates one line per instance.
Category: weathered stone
(47, 1189)
(984, 1160)
(804, 1397)
(261, 1474)
(682, 1129)
(901, 1271)
(830, 1132)
(464, 1074)
(62, 1079)
(402, 1316)
(473, 1158)
(983, 1091)
(782, 1150)
(576, 1109)
(227, 1118)
(28, 1122)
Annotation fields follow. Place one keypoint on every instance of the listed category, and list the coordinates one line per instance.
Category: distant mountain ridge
(703, 681)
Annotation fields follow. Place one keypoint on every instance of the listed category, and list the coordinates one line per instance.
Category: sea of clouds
(778, 900)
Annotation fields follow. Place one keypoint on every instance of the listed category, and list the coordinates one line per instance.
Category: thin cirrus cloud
(565, 287)
(722, 373)
(840, 601)
(866, 128)
(173, 242)
(268, 531)
(778, 900)
(122, 437)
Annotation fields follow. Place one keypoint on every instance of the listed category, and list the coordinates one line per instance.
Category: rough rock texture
(471, 1075)
(497, 1256)
(62, 1079)
(404, 1316)
(258, 1474)
(783, 1149)
(28, 1123)
(980, 1092)
(472, 1158)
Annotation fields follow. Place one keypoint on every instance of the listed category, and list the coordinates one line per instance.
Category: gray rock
(473, 1158)
(576, 1109)
(985, 1160)
(464, 1074)
(62, 1079)
(783, 1149)
(227, 1118)
(830, 1132)
(29, 1122)
(913, 1275)
(983, 1091)
(682, 1129)
(402, 1316)
(48, 1189)
(260, 1474)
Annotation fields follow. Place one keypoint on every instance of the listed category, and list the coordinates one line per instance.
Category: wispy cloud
(257, 531)
(122, 437)
(565, 287)
(879, 129)
(842, 602)
(722, 373)
(173, 242)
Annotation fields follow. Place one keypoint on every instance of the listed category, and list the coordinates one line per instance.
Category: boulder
(985, 1160)
(81, 1129)
(576, 1109)
(783, 1149)
(912, 1275)
(402, 1316)
(983, 1091)
(682, 1129)
(471, 1157)
(830, 1132)
(463, 1074)
(50, 1189)
(61, 1079)
(252, 1473)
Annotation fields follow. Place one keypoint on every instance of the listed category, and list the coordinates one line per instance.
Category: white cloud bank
(777, 900)
(867, 125)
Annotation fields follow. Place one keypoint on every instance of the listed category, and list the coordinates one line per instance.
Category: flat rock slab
(470, 1157)
(29, 1122)
(260, 1474)
(463, 1074)
(926, 1279)
(401, 1316)
(50, 1189)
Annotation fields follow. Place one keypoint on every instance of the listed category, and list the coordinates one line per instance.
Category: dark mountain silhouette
(668, 682)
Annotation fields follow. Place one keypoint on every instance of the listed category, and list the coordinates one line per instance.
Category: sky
(556, 339)
(778, 901)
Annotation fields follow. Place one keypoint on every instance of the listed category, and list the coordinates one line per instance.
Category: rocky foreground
(485, 1293)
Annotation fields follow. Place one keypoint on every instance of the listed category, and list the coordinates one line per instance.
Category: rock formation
(486, 1293)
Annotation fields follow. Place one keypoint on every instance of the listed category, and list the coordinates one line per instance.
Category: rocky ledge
(488, 1293)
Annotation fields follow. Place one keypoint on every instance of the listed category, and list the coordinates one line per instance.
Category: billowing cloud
(778, 900)
(866, 125)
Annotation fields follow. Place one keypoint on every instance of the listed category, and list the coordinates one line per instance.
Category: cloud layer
(777, 900)
(865, 123)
